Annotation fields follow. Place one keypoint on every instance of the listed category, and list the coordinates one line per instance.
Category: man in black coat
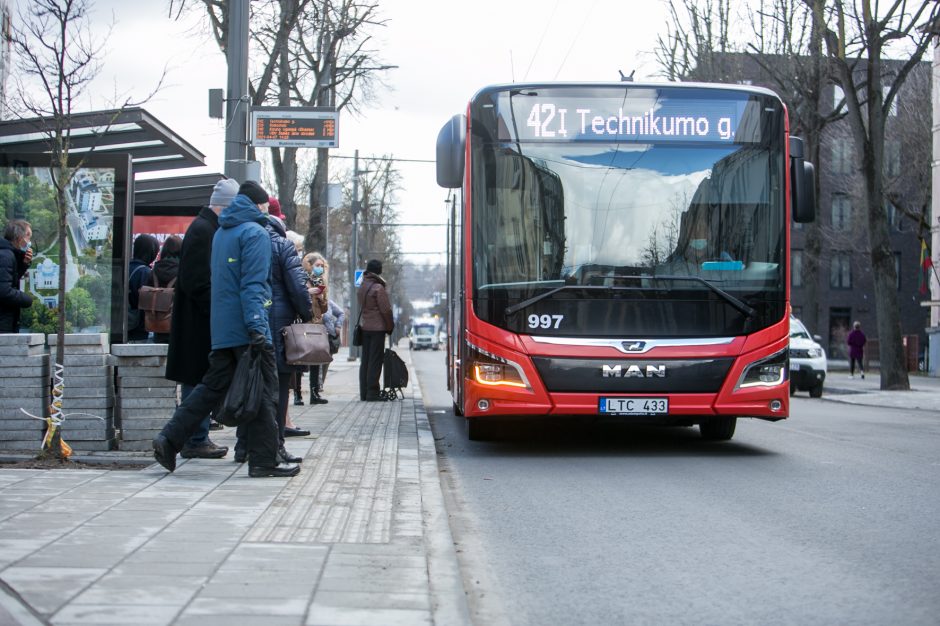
(190, 339)
(16, 253)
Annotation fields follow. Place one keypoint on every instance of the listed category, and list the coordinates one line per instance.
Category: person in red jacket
(376, 322)
(856, 341)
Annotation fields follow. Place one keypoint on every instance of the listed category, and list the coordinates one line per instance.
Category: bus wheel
(718, 428)
(481, 430)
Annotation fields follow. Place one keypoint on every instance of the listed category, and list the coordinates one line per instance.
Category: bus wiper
(736, 303)
(527, 303)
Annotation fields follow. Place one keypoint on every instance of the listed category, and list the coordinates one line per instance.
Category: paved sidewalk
(359, 537)
(924, 393)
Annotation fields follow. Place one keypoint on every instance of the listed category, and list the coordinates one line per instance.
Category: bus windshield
(659, 210)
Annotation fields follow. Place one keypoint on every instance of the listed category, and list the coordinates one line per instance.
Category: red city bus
(621, 250)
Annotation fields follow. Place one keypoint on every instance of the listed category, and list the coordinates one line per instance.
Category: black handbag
(243, 399)
(334, 342)
(357, 331)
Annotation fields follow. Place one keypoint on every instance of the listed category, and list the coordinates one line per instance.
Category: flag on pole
(925, 266)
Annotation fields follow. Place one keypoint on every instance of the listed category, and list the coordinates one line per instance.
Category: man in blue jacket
(241, 295)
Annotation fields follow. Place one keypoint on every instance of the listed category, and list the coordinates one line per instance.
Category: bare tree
(57, 54)
(781, 42)
(313, 53)
(858, 37)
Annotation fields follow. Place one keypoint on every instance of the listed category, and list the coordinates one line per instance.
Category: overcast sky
(445, 51)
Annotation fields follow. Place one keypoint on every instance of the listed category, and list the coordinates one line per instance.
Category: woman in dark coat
(165, 271)
(290, 300)
(145, 251)
(15, 256)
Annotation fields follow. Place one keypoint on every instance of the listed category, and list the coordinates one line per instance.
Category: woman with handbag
(376, 321)
(290, 300)
(317, 280)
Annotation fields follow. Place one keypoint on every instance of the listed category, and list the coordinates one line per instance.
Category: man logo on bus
(634, 346)
(633, 371)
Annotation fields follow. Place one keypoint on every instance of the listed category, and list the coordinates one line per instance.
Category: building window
(840, 271)
(895, 218)
(893, 109)
(892, 158)
(841, 156)
(796, 268)
(841, 212)
(838, 99)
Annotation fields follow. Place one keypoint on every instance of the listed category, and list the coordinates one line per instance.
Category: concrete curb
(447, 592)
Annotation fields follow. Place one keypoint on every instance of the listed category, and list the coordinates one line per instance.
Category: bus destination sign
(298, 127)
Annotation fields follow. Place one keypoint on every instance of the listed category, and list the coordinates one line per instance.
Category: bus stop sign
(358, 280)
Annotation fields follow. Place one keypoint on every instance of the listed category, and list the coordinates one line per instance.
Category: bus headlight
(489, 369)
(767, 372)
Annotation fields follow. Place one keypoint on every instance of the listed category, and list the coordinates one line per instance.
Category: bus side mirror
(802, 184)
(451, 146)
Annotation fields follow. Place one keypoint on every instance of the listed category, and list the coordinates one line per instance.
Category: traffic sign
(359, 274)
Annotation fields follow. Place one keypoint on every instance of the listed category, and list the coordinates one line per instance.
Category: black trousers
(260, 434)
(370, 365)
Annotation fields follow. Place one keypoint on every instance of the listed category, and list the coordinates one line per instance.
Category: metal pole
(236, 140)
(354, 260)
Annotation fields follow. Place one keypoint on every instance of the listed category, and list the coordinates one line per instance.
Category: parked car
(808, 364)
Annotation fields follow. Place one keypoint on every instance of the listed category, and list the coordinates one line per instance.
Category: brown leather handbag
(306, 344)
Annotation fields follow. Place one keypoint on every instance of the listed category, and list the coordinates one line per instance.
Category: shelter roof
(151, 145)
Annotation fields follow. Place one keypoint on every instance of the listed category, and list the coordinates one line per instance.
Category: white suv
(808, 364)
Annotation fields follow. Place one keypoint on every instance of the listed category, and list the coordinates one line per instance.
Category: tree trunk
(52, 448)
(893, 368)
(316, 229)
(284, 162)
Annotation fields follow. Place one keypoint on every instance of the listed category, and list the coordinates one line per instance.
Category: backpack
(156, 303)
(394, 375)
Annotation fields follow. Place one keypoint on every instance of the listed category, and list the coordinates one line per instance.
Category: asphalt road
(830, 517)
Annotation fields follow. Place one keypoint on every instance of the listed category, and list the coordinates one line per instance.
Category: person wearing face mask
(16, 253)
(693, 250)
(316, 265)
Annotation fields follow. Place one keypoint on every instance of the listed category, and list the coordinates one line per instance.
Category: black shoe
(298, 400)
(283, 471)
(295, 432)
(164, 453)
(283, 456)
(241, 455)
(316, 398)
(208, 450)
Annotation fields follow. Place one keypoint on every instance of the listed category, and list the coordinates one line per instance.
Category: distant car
(424, 336)
(808, 365)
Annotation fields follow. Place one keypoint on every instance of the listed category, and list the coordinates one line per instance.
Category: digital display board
(298, 127)
(641, 116)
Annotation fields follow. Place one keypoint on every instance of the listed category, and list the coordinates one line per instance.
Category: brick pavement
(360, 536)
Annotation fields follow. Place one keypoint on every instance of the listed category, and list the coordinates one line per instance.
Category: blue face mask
(317, 271)
(29, 244)
(698, 244)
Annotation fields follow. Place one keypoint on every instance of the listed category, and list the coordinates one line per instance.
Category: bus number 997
(545, 321)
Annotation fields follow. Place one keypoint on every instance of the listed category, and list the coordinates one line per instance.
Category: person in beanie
(241, 294)
(274, 208)
(16, 253)
(187, 359)
(376, 322)
(856, 341)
